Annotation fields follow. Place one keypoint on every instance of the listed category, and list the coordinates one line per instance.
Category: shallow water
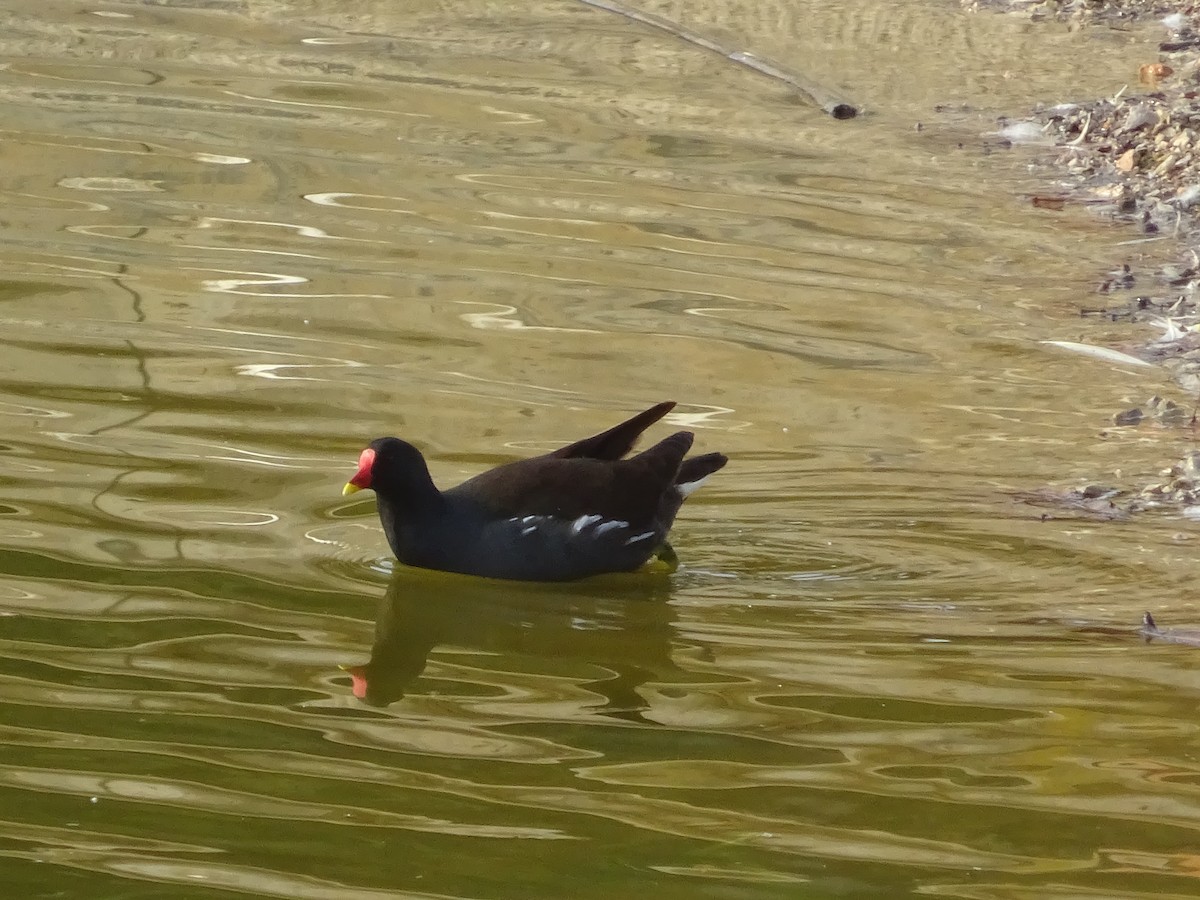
(240, 240)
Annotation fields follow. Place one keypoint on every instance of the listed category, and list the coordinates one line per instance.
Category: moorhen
(578, 511)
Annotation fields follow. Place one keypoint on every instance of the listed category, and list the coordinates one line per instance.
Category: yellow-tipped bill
(362, 478)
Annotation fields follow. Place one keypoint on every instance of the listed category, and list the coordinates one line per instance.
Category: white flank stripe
(583, 522)
(639, 537)
(530, 530)
(609, 526)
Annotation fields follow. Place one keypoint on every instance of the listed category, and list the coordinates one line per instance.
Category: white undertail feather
(686, 487)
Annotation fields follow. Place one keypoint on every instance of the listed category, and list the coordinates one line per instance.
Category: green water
(240, 241)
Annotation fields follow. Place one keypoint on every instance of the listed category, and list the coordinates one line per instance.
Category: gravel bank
(1135, 158)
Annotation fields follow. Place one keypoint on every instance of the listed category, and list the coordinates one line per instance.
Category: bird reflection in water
(622, 624)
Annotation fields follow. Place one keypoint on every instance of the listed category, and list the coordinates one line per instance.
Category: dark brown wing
(618, 440)
(627, 490)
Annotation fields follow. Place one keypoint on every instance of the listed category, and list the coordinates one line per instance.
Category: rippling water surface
(240, 240)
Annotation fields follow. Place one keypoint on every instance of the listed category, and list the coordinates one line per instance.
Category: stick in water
(836, 106)
(1150, 630)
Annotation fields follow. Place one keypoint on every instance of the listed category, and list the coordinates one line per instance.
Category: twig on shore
(1082, 132)
(836, 106)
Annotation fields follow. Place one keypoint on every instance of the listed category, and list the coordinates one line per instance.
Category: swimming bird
(581, 510)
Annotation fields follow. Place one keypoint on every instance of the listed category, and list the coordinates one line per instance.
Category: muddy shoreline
(1133, 158)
